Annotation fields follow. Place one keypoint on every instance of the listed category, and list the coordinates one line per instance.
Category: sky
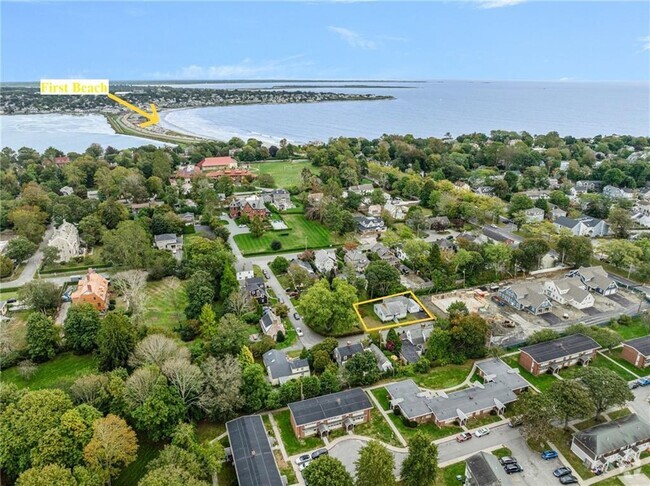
(463, 39)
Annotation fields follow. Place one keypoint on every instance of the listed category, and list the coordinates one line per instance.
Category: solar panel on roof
(327, 406)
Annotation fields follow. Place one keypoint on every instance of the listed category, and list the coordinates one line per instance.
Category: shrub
(276, 245)
(26, 369)
(279, 337)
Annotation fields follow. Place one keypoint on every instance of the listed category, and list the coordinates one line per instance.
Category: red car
(463, 437)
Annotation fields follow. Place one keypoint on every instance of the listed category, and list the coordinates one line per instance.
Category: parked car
(463, 437)
(515, 422)
(320, 452)
(570, 479)
(265, 273)
(644, 381)
(513, 468)
(561, 471)
(634, 384)
(482, 431)
(505, 460)
(303, 458)
(299, 332)
(304, 465)
(296, 316)
(548, 455)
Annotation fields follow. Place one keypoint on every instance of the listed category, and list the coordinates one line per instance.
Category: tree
(393, 342)
(245, 356)
(255, 388)
(329, 381)
(420, 468)
(111, 213)
(280, 265)
(29, 222)
(91, 390)
(256, 227)
(374, 466)
(156, 349)
(49, 474)
(115, 341)
(266, 180)
(80, 327)
(20, 249)
(537, 413)
(223, 381)
(276, 245)
(131, 284)
(208, 320)
(605, 387)
(321, 360)
(200, 291)
(542, 336)
(520, 202)
(127, 246)
(325, 471)
(469, 336)
(622, 253)
(499, 255)
(239, 302)
(231, 335)
(575, 250)
(533, 250)
(91, 229)
(228, 283)
(361, 370)
(40, 295)
(170, 475)
(25, 422)
(43, 337)
(186, 378)
(160, 411)
(113, 446)
(620, 222)
(50, 255)
(328, 309)
(382, 277)
(457, 309)
(6, 266)
(570, 400)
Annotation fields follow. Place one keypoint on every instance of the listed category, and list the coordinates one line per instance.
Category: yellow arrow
(152, 118)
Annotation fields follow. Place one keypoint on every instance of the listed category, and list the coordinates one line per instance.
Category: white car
(302, 459)
(242, 226)
(482, 431)
(304, 465)
(299, 331)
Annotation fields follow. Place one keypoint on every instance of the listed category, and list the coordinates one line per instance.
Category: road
(33, 264)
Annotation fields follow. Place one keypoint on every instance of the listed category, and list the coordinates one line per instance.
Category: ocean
(423, 109)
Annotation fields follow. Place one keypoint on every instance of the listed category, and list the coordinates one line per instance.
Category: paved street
(33, 264)
(452, 451)
(347, 451)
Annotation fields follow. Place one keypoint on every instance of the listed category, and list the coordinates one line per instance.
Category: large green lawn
(293, 444)
(450, 474)
(615, 354)
(430, 430)
(443, 376)
(637, 328)
(378, 429)
(598, 362)
(61, 372)
(284, 172)
(165, 302)
(301, 234)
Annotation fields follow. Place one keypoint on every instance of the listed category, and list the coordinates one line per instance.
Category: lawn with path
(443, 376)
(378, 429)
(61, 372)
(615, 354)
(302, 233)
(598, 362)
(381, 394)
(543, 382)
(165, 302)
(293, 444)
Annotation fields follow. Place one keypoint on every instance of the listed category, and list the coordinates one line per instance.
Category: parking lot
(536, 470)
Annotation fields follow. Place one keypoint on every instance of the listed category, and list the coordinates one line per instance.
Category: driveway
(536, 470)
(451, 451)
(347, 451)
(640, 403)
(33, 263)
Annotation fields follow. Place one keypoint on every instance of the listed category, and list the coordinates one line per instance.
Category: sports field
(285, 173)
(302, 234)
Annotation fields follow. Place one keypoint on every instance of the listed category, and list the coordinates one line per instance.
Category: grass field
(61, 372)
(382, 397)
(147, 451)
(450, 474)
(165, 302)
(477, 422)
(430, 430)
(636, 329)
(543, 382)
(443, 376)
(293, 444)
(285, 173)
(502, 452)
(206, 430)
(615, 354)
(301, 233)
(378, 429)
(290, 336)
(617, 414)
(598, 362)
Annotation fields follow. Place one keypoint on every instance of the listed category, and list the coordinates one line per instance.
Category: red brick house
(552, 356)
(637, 351)
(253, 207)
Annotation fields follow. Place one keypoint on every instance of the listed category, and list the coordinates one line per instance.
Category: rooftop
(614, 435)
(559, 348)
(642, 345)
(486, 470)
(328, 406)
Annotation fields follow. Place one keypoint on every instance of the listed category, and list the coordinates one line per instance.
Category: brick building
(252, 206)
(557, 354)
(92, 289)
(637, 351)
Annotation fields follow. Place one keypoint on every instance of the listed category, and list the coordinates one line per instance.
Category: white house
(325, 261)
(568, 291)
(244, 270)
(65, 238)
(169, 242)
(534, 215)
(396, 308)
(583, 226)
(595, 279)
(66, 191)
(618, 192)
(281, 368)
(357, 259)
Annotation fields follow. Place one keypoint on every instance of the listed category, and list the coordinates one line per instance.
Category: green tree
(329, 381)
(24, 423)
(532, 251)
(499, 255)
(112, 447)
(326, 471)
(81, 326)
(111, 213)
(361, 370)
(230, 336)
(20, 249)
(255, 388)
(374, 466)
(321, 360)
(170, 475)
(200, 292)
(383, 278)
(605, 387)
(328, 309)
(127, 246)
(622, 253)
(228, 283)
(43, 337)
(256, 227)
(393, 342)
(116, 340)
(519, 202)
(6, 266)
(50, 255)
(40, 295)
(420, 468)
(570, 400)
(91, 229)
(29, 222)
(280, 265)
(575, 250)
(469, 336)
(49, 474)
(160, 411)
(620, 222)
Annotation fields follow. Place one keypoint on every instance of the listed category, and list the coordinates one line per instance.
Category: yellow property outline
(399, 324)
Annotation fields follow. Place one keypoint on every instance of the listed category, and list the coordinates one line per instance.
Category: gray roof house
(414, 338)
(383, 363)
(251, 452)
(637, 351)
(257, 289)
(343, 353)
(271, 324)
(557, 354)
(357, 259)
(569, 291)
(280, 198)
(534, 215)
(325, 261)
(618, 192)
(583, 226)
(361, 189)
(396, 308)
(484, 469)
(501, 386)
(620, 440)
(595, 279)
(526, 296)
(169, 242)
(368, 224)
(281, 368)
(244, 270)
